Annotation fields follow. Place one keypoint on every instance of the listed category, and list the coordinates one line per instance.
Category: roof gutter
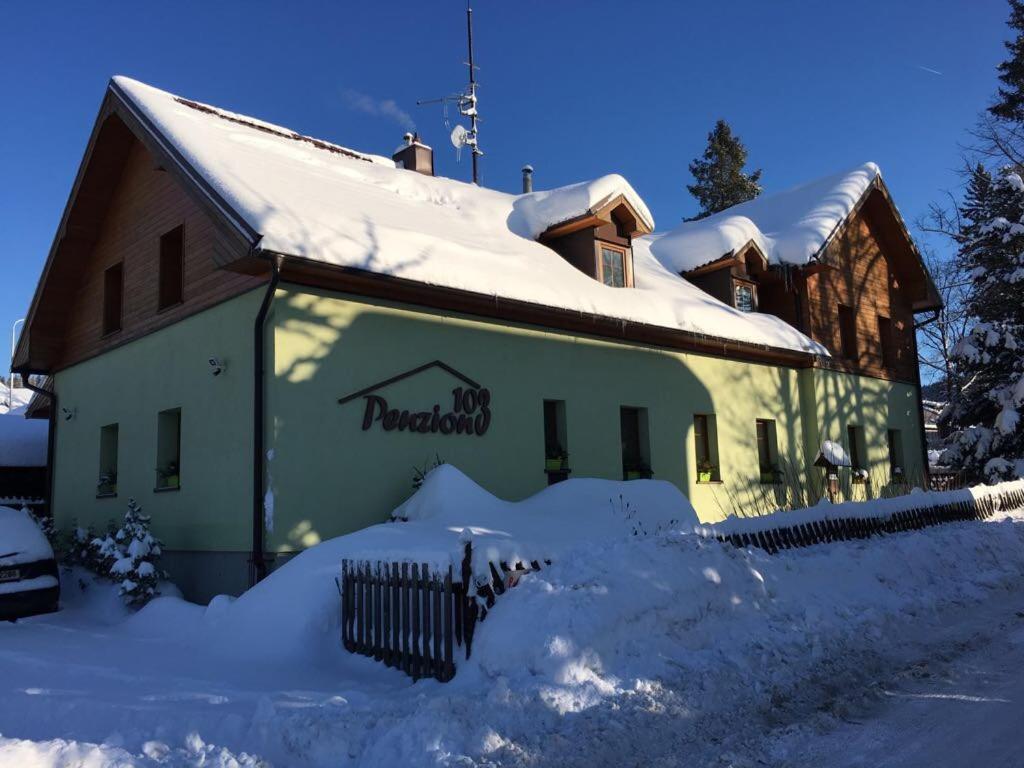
(258, 560)
(50, 432)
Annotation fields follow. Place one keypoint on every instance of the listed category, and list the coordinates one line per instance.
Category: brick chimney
(414, 155)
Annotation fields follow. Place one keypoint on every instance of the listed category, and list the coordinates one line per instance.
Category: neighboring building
(284, 329)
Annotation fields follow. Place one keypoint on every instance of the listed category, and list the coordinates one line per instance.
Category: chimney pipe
(527, 178)
(414, 155)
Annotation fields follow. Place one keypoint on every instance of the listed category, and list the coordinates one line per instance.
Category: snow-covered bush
(128, 555)
(136, 568)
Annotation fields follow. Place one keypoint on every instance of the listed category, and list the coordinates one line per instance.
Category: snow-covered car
(29, 582)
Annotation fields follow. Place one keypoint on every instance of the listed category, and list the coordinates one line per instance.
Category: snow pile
(537, 211)
(636, 650)
(22, 441)
(318, 201)
(296, 611)
(789, 227)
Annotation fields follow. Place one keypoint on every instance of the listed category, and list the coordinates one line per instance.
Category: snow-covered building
(285, 329)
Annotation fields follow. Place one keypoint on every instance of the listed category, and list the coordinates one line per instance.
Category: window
(168, 449)
(745, 297)
(895, 440)
(885, 341)
(706, 443)
(171, 268)
(636, 456)
(556, 453)
(613, 267)
(113, 290)
(855, 442)
(847, 332)
(767, 451)
(106, 483)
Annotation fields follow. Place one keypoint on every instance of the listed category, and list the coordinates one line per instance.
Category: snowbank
(22, 441)
(323, 202)
(295, 612)
(642, 650)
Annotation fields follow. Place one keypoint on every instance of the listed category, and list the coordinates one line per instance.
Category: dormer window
(744, 296)
(613, 266)
(599, 241)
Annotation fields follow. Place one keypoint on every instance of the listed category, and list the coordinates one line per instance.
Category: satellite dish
(459, 136)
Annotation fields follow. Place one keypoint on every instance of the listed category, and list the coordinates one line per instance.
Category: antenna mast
(466, 101)
(467, 106)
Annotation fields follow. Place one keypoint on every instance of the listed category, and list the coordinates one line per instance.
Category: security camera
(217, 366)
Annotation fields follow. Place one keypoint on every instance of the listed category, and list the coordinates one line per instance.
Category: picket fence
(777, 535)
(412, 617)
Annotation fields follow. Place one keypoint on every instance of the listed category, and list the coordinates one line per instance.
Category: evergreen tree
(719, 179)
(1010, 101)
(987, 443)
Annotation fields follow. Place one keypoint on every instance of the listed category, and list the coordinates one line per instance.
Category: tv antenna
(466, 102)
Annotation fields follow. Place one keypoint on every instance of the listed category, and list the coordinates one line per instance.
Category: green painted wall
(130, 386)
(330, 477)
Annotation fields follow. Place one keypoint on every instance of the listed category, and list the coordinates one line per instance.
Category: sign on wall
(466, 410)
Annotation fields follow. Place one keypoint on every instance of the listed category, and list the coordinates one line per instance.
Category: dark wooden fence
(414, 618)
(946, 480)
(782, 536)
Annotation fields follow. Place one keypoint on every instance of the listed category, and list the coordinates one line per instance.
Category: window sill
(106, 495)
(710, 482)
(169, 307)
(167, 488)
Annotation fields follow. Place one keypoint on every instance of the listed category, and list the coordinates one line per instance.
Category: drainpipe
(920, 403)
(50, 435)
(257, 558)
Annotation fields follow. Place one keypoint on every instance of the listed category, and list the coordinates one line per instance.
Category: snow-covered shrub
(419, 474)
(136, 553)
(45, 523)
(127, 555)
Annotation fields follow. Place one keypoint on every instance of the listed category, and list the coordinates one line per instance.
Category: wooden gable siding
(147, 203)
(860, 275)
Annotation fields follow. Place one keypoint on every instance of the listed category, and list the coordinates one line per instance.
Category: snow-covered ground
(661, 649)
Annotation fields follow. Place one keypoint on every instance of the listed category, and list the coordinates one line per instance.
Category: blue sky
(577, 89)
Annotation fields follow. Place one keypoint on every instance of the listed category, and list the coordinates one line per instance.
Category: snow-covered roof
(789, 227)
(16, 401)
(319, 201)
(22, 441)
(834, 454)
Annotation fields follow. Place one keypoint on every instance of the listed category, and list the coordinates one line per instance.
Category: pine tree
(990, 359)
(1010, 101)
(719, 179)
(140, 552)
